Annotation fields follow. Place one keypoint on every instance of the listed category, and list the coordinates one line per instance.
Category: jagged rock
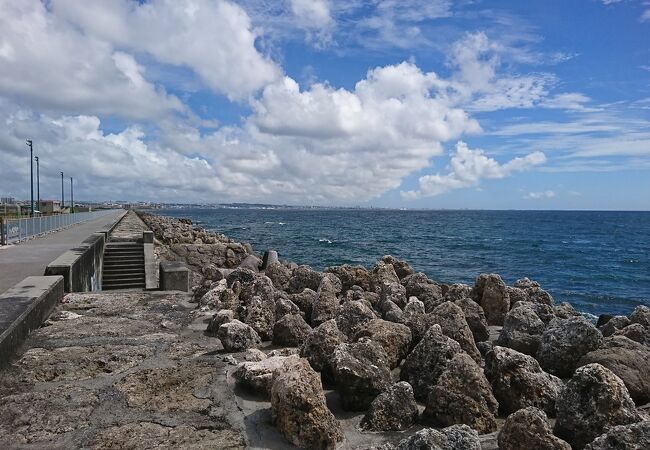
(390, 311)
(564, 311)
(564, 342)
(251, 262)
(453, 324)
(624, 437)
(258, 375)
(394, 409)
(241, 274)
(352, 316)
(455, 437)
(641, 314)
(394, 338)
(361, 373)
(603, 319)
(518, 381)
(462, 396)
(319, 346)
(428, 360)
(303, 277)
(253, 354)
(279, 275)
(324, 308)
(212, 272)
(382, 273)
(393, 292)
(522, 330)
(236, 336)
(298, 407)
(546, 313)
(516, 295)
(538, 295)
(305, 301)
(330, 283)
(261, 317)
(270, 257)
(527, 429)
(221, 317)
(426, 290)
(416, 319)
(490, 292)
(351, 276)
(628, 360)
(484, 347)
(211, 298)
(592, 401)
(636, 332)
(525, 283)
(284, 306)
(290, 331)
(402, 268)
(458, 292)
(475, 318)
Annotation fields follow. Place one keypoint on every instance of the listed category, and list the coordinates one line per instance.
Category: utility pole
(62, 194)
(38, 185)
(71, 197)
(31, 170)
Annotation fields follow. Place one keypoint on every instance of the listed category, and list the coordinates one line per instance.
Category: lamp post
(62, 194)
(71, 197)
(38, 185)
(31, 170)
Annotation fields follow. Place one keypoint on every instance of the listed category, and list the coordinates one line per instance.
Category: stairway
(123, 266)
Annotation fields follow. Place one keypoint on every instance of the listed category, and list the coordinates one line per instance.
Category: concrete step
(114, 287)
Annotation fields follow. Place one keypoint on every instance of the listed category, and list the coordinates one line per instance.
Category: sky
(499, 104)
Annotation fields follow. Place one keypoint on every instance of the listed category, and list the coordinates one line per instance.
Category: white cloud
(479, 86)
(213, 38)
(541, 195)
(467, 168)
(48, 65)
(314, 17)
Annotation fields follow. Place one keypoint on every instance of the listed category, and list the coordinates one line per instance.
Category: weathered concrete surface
(24, 308)
(130, 228)
(81, 267)
(119, 371)
(20, 261)
(174, 276)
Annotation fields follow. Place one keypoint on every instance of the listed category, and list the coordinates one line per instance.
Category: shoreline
(356, 312)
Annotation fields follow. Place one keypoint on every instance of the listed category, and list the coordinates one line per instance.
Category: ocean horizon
(599, 261)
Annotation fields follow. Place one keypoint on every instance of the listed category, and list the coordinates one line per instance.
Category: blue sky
(414, 104)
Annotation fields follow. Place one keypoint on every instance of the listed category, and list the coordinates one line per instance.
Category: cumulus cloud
(467, 168)
(215, 39)
(50, 66)
(541, 195)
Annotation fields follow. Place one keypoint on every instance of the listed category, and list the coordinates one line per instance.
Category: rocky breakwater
(447, 366)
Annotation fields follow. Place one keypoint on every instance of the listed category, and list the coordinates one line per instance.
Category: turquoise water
(598, 261)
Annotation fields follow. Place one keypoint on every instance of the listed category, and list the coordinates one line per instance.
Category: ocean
(597, 261)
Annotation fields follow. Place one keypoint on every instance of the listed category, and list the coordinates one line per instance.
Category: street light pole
(38, 185)
(62, 194)
(31, 170)
(71, 197)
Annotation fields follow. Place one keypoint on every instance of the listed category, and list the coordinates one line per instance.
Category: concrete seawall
(24, 308)
(81, 267)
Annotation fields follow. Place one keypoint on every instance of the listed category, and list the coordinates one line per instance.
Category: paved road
(32, 257)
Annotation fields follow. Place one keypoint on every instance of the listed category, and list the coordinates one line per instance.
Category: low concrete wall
(174, 276)
(24, 308)
(81, 267)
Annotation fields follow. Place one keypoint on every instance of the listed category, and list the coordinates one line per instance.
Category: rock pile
(392, 342)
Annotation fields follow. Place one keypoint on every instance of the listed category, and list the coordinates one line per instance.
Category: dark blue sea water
(598, 261)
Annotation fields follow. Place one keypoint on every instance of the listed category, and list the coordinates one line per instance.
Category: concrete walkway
(32, 257)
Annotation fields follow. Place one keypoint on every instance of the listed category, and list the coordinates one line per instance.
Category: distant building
(7, 200)
(49, 207)
(10, 210)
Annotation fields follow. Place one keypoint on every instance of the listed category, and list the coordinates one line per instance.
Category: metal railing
(16, 230)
